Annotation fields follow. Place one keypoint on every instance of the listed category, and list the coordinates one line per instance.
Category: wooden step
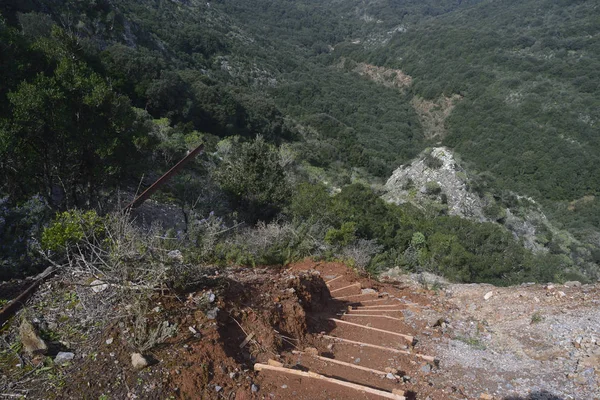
(390, 349)
(346, 364)
(333, 280)
(380, 310)
(356, 295)
(377, 306)
(371, 316)
(357, 285)
(409, 338)
(308, 374)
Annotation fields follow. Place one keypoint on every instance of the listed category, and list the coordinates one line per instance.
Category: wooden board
(308, 374)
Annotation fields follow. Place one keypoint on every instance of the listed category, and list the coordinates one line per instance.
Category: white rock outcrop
(415, 183)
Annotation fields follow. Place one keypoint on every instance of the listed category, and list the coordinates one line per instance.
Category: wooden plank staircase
(369, 326)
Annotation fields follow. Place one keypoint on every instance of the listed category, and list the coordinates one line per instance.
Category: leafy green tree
(251, 174)
(69, 131)
(343, 236)
(310, 201)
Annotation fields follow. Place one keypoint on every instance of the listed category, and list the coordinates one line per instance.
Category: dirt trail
(297, 332)
(355, 309)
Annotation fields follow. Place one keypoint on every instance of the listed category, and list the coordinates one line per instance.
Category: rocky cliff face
(436, 182)
(435, 178)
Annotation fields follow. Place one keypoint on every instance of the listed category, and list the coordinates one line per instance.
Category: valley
(438, 157)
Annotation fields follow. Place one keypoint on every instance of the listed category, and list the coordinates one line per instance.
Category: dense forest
(98, 94)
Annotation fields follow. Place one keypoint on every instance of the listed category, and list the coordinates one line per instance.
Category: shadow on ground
(542, 395)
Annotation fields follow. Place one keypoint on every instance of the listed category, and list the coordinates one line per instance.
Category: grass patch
(473, 342)
(536, 318)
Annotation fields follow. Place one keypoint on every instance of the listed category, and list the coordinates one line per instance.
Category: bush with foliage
(70, 228)
(21, 226)
(432, 161)
(253, 177)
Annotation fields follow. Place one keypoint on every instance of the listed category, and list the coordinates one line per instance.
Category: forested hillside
(300, 130)
(528, 73)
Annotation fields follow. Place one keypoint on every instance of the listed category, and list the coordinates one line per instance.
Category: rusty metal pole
(163, 179)
(18, 302)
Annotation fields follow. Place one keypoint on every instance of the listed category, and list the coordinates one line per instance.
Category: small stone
(284, 386)
(390, 376)
(192, 330)
(426, 368)
(549, 286)
(368, 291)
(406, 378)
(232, 375)
(138, 361)
(211, 297)
(312, 351)
(441, 322)
(109, 341)
(356, 361)
(32, 343)
(488, 295)
(218, 388)
(175, 255)
(561, 294)
(536, 299)
(63, 357)
(212, 314)
(254, 388)
(98, 286)
(391, 370)
(485, 396)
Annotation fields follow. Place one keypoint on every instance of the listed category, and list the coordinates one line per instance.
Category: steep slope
(354, 90)
(266, 332)
(438, 183)
(528, 74)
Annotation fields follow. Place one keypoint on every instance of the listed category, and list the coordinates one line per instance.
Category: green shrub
(269, 244)
(537, 317)
(343, 236)
(309, 201)
(418, 239)
(432, 188)
(71, 227)
(252, 176)
(20, 229)
(494, 211)
(432, 161)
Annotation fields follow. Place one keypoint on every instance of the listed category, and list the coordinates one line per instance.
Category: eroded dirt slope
(410, 337)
